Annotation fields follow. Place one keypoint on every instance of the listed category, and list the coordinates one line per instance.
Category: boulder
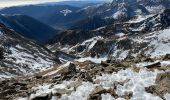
(127, 95)
(75, 84)
(166, 57)
(136, 69)
(72, 67)
(109, 69)
(38, 76)
(147, 59)
(85, 76)
(98, 90)
(44, 96)
(104, 64)
(162, 76)
(163, 82)
(96, 93)
(112, 92)
(154, 65)
(67, 69)
(62, 91)
(19, 83)
(151, 89)
(162, 85)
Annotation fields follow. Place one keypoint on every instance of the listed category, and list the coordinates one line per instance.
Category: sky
(8, 3)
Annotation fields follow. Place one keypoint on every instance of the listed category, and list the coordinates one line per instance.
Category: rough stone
(166, 57)
(154, 65)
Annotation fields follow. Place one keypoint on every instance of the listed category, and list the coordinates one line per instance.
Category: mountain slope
(116, 39)
(50, 14)
(75, 3)
(118, 10)
(20, 56)
(28, 27)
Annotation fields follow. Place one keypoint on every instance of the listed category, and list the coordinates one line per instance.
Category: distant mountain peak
(66, 12)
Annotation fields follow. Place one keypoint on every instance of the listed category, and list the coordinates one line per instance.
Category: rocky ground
(109, 80)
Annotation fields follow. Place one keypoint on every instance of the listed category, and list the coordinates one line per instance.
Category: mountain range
(117, 50)
(28, 27)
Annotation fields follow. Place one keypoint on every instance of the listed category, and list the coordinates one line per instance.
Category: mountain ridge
(28, 27)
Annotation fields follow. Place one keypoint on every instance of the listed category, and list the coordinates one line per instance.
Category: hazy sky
(7, 3)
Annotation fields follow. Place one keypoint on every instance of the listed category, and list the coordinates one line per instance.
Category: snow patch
(107, 97)
(159, 43)
(120, 34)
(95, 60)
(91, 42)
(140, 18)
(167, 96)
(66, 12)
(59, 68)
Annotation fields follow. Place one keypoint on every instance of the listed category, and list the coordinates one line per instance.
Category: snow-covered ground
(25, 58)
(22, 56)
(160, 43)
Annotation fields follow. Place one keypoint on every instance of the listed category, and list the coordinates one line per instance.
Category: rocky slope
(121, 10)
(127, 8)
(20, 56)
(109, 80)
(139, 35)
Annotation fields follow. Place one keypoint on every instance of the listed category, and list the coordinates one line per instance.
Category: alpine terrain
(118, 50)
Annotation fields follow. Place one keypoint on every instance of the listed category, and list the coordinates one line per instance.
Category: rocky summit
(117, 50)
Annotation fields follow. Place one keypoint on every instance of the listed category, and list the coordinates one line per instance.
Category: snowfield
(160, 43)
